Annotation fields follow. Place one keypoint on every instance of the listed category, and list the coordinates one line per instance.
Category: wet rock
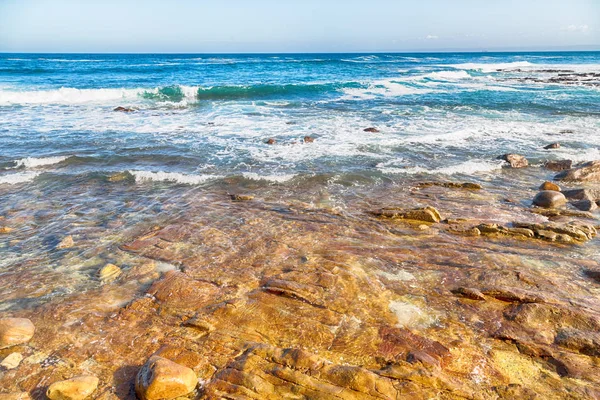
(582, 194)
(585, 205)
(549, 199)
(66, 243)
(124, 109)
(593, 274)
(271, 141)
(499, 230)
(552, 146)
(241, 197)
(12, 361)
(77, 388)
(427, 214)
(372, 130)
(551, 213)
(109, 273)
(451, 185)
(515, 160)
(584, 342)
(5, 229)
(588, 172)
(469, 293)
(559, 165)
(560, 232)
(308, 139)
(161, 378)
(550, 186)
(15, 396)
(15, 331)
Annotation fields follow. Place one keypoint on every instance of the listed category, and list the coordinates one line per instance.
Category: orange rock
(161, 379)
(14, 331)
(77, 388)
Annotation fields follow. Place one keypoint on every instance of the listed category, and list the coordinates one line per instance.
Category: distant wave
(266, 90)
(491, 67)
(448, 75)
(33, 162)
(175, 177)
(22, 177)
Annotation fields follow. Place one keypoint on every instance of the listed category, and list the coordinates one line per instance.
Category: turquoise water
(201, 118)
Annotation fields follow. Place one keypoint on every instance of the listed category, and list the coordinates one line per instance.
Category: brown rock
(371, 130)
(308, 139)
(427, 214)
(592, 274)
(552, 146)
(582, 194)
(550, 186)
(588, 172)
(271, 141)
(124, 109)
(469, 293)
(559, 165)
(585, 205)
(15, 331)
(549, 199)
(160, 379)
(66, 243)
(241, 197)
(77, 388)
(515, 160)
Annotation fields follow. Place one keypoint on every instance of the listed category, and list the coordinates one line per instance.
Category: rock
(593, 274)
(588, 172)
(550, 186)
(582, 194)
(308, 139)
(567, 131)
(124, 109)
(160, 379)
(371, 130)
(552, 146)
(427, 214)
(66, 243)
(12, 361)
(109, 273)
(469, 293)
(5, 229)
(451, 185)
(515, 160)
(585, 205)
(241, 197)
(560, 232)
(271, 141)
(15, 396)
(549, 199)
(559, 165)
(77, 388)
(15, 331)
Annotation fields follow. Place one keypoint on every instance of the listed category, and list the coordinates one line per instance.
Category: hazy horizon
(312, 26)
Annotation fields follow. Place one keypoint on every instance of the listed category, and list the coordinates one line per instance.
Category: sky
(278, 26)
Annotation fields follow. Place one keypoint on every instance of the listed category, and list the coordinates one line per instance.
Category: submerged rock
(15, 331)
(241, 197)
(12, 361)
(66, 243)
(451, 185)
(588, 172)
(160, 379)
(371, 130)
(585, 205)
(559, 165)
(549, 199)
(550, 186)
(515, 160)
(77, 388)
(427, 214)
(109, 273)
(552, 146)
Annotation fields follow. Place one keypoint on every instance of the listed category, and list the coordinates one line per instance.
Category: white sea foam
(465, 168)
(270, 178)
(79, 96)
(491, 67)
(33, 162)
(13, 179)
(382, 88)
(448, 75)
(175, 177)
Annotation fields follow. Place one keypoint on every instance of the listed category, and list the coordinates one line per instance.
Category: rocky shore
(431, 289)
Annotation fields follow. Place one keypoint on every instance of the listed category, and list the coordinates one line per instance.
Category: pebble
(161, 378)
(15, 331)
(550, 186)
(77, 388)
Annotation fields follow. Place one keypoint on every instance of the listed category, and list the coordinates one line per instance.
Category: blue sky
(203, 26)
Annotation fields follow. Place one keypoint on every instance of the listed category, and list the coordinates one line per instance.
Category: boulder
(550, 186)
(372, 130)
(15, 331)
(588, 172)
(549, 199)
(77, 388)
(558, 165)
(552, 146)
(160, 379)
(515, 160)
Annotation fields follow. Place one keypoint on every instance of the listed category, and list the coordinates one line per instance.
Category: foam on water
(174, 177)
(491, 67)
(471, 167)
(269, 178)
(33, 162)
(13, 179)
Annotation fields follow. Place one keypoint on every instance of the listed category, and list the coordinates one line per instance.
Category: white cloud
(576, 28)
(432, 37)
